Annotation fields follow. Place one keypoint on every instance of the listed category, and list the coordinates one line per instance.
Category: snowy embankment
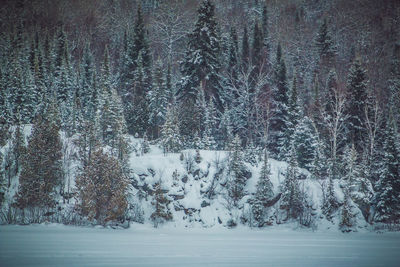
(188, 184)
(142, 245)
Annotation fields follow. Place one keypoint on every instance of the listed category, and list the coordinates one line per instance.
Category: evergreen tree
(257, 49)
(170, 137)
(387, 196)
(112, 121)
(305, 143)
(160, 202)
(357, 85)
(102, 189)
(347, 216)
(200, 68)
(264, 192)
(291, 199)
(158, 100)
(279, 122)
(330, 204)
(136, 79)
(41, 165)
(237, 172)
(265, 31)
(245, 49)
(324, 43)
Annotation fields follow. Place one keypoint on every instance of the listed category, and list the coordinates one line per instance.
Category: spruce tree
(305, 143)
(324, 43)
(291, 199)
(279, 122)
(330, 204)
(200, 68)
(264, 192)
(158, 100)
(388, 189)
(170, 137)
(257, 50)
(160, 202)
(102, 189)
(357, 86)
(41, 166)
(245, 49)
(237, 170)
(347, 216)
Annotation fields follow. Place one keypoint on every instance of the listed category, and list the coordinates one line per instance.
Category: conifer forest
(254, 114)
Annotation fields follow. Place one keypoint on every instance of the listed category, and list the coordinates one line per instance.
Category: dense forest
(315, 84)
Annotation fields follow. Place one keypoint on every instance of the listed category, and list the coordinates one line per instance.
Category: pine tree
(102, 189)
(257, 49)
(138, 120)
(112, 120)
(245, 49)
(200, 68)
(279, 123)
(41, 166)
(291, 199)
(136, 78)
(170, 137)
(330, 204)
(357, 85)
(324, 43)
(347, 216)
(305, 143)
(264, 192)
(160, 202)
(387, 196)
(158, 100)
(265, 31)
(237, 170)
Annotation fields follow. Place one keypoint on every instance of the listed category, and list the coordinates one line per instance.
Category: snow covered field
(57, 245)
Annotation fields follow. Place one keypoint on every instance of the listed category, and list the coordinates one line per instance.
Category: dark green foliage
(41, 165)
(264, 192)
(324, 42)
(201, 66)
(291, 199)
(279, 122)
(357, 86)
(102, 189)
(388, 189)
(237, 170)
(160, 202)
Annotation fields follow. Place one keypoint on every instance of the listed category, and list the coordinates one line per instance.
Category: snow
(141, 245)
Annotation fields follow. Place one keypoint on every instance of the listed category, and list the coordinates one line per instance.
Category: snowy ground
(57, 245)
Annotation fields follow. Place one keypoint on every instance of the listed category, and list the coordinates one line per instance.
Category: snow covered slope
(188, 185)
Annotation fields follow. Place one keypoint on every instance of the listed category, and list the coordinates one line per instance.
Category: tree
(160, 202)
(102, 189)
(245, 49)
(200, 67)
(264, 192)
(237, 172)
(135, 78)
(112, 121)
(388, 189)
(330, 203)
(305, 143)
(347, 216)
(170, 137)
(291, 195)
(324, 43)
(279, 122)
(158, 100)
(357, 86)
(41, 166)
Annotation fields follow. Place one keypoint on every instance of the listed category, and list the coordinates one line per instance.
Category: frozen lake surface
(57, 245)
